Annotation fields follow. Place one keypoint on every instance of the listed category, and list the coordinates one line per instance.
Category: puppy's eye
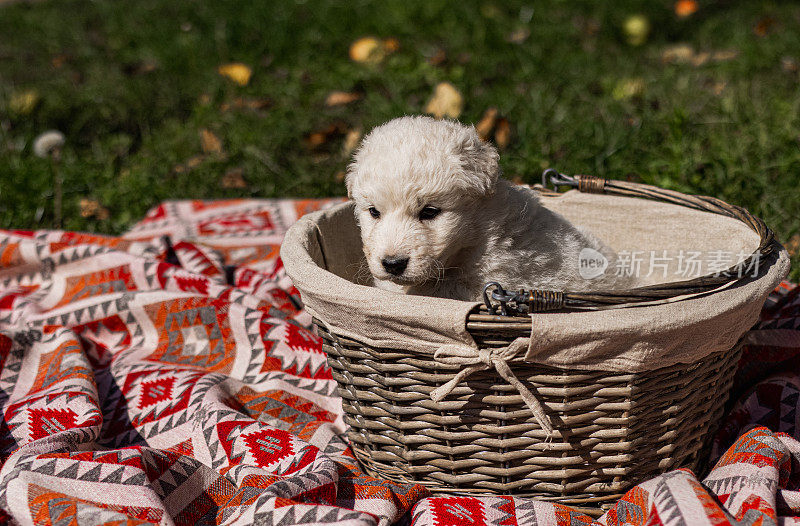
(429, 212)
(374, 212)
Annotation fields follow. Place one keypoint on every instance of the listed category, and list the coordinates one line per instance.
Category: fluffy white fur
(487, 230)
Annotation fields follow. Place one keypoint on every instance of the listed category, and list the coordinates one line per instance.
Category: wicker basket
(623, 428)
(612, 429)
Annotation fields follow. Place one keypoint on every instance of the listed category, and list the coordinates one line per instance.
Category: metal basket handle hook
(554, 178)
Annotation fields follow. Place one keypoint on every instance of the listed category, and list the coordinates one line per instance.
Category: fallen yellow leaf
(194, 161)
(685, 54)
(351, 141)
(789, 65)
(23, 102)
(628, 88)
(502, 135)
(636, 29)
(684, 8)
(486, 124)
(390, 45)
(59, 60)
(518, 36)
(209, 142)
(727, 54)
(701, 58)
(233, 179)
(793, 245)
(92, 208)
(320, 138)
(367, 50)
(438, 57)
(237, 72)
(680, 53)
(718, 87)
(339, 98)
(446, 101)
(764, 26)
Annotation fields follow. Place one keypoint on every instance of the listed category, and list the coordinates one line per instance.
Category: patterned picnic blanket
(169, 376)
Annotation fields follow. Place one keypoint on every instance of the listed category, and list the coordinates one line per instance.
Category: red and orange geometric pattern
(169, 376)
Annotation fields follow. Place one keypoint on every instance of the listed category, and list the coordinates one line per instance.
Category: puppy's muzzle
(394, 265)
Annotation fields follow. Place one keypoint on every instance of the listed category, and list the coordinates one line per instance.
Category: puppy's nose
(394, 265)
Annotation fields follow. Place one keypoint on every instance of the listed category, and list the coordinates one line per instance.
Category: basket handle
(547, 300)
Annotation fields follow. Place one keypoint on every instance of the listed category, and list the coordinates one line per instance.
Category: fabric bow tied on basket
(482, 359)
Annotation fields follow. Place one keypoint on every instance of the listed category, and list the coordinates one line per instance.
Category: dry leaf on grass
(437, 57)
(59, 60)
(446, 101)
(190, 164)
(92, 208)
(340, 98)
(636, 29)
(680, 53)
(486, 124)
(518, 36)
(789, 65)
(502, 133)
(390, 45)
(323, 137)
(793, 245)
(764, 26)
(237, 72)
(195, 161)
(718, 87)
(701, 58)
(367, 50)
(370, 50)
(628, 88)
(726, 54)
(209, 142)
(233, 179)
(23, 102)
(351, 140)
(684, 8)
(685, 54)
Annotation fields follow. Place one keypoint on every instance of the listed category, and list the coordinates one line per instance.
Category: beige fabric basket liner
(323, 256)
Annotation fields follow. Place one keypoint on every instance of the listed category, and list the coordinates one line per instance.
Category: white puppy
(436, 219)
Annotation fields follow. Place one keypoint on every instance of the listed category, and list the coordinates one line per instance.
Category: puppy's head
(417, 184)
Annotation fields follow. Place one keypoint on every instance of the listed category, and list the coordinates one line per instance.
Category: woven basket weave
(612, 430)
(623, 428)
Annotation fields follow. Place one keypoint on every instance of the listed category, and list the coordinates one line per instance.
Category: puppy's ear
(479, 160)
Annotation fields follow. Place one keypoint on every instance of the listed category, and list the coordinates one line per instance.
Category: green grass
(132, 83)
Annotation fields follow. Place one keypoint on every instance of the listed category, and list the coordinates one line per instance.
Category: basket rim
(317, 254)
(525, 302)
